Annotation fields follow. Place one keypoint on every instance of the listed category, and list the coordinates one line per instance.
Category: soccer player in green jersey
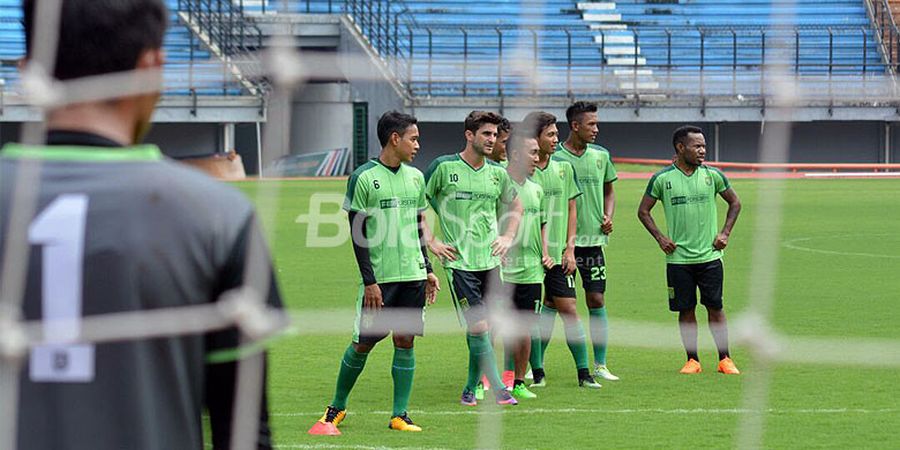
(557, 178)
(467, 192)
(693, 248)
(498, 154)
(385, 202)
(595, 173)
(523, 266)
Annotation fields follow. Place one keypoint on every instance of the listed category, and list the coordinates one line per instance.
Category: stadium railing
(886, 30)
(479, 61)
(233, 37)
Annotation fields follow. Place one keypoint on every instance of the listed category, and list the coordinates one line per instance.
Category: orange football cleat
(691, 367)
(726, 366)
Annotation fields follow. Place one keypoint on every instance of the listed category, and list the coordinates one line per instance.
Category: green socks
(481, 359)
(536, 359)
(546, 323)
(599, 333)
(402, 370)
(509, 362)
(351, 366)
(576, 340)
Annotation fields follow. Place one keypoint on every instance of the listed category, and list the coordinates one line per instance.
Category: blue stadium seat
(834, 36)
(190, 66)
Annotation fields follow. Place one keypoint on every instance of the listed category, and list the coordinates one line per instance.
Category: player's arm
(734, 208)
(432, 285)
(372, 293)
(546, 260)
(445, 252)
(647, 203)
(609, 208)
(224, 347)
(568, 256)
(500, 246)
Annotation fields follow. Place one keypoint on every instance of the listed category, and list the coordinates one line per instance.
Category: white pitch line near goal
(626, 411)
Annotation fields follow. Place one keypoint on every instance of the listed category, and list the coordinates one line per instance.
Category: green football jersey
(559, 185)
(391, 200)
(468, 200)
(523, 261)
(690, 206)
(593, 169)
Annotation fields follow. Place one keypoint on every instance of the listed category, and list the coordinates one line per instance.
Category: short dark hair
(476, 119)
(504, 126)
(535, 123)
(98, 37)
(682, 132)
(574, 112)
(393, 122)
(517, 142)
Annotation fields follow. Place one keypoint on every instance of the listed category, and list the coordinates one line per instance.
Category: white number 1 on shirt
(59, 230)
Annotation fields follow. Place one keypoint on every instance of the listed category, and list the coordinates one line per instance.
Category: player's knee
(595, 300)
(403, 341)
(359, 347)
(687, 315)
(479, 327)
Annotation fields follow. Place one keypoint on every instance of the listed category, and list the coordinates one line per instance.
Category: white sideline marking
(466, 412)
(853, 175)
(791, 244)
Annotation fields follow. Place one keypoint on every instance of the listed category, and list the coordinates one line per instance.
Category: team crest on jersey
(562, 173)
(599, 164)
(417, 182)
(496, 179)
(708, 180)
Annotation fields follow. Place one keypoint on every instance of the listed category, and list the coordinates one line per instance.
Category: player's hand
(372, 297)
(568, 261)
(721, 241)
(547, 262)
(666, 245)
(606, 226)
(501, 246)
(443, 251)
(432, 286)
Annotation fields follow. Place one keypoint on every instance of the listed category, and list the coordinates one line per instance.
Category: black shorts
(403, 301)
(527, 297)
(469, 290)
(558, 284)
(592, 268)
(685, 279)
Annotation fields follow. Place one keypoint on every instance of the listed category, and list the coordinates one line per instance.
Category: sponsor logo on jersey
(466, 195)
(395, 202)
(689, 199)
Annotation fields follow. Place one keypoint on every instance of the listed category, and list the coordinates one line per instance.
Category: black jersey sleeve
(221, 377)
(361, 247)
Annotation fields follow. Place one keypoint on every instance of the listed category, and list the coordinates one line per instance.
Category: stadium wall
(812, 142)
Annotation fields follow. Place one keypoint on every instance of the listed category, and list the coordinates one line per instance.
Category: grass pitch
(837, 278)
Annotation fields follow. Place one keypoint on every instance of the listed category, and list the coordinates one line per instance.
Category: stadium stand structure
(195, 66)
(447, 48)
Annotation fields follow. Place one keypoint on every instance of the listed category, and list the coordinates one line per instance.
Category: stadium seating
(190, 66)
(454, 44)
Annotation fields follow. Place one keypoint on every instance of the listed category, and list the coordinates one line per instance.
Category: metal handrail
(237, 37)
(389, 26)
(887, 32)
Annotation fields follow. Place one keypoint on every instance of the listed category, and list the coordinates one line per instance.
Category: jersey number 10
(59, 230)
